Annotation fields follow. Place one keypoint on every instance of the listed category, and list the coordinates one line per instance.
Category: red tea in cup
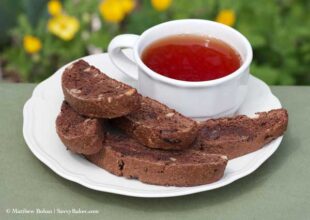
(191, 58)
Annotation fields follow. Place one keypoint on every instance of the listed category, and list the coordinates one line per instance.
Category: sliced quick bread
(240, 135)
(123, 156)
(157, 126)
(79, 134)
(94, 94)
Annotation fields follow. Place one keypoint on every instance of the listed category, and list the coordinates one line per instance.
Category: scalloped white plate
(41, 110)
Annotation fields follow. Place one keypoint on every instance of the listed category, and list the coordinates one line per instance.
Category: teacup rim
(180, 83)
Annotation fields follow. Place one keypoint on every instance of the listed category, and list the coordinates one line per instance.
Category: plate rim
(84, 181)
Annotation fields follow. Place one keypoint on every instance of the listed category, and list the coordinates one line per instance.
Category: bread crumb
(130, 92)
(110, 99)
(172, 159)
(224, 157)
(150, 140)
(169, 115)
(87, 120)
(88, 69)
(243, 137)
(256, 116)
(69, 67)
(75, 91)
(100, 96)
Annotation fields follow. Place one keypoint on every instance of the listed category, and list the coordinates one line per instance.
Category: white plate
(40, 112)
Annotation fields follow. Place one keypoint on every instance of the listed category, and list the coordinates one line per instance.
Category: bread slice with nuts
(240, 135)
(124, 156)
(157, 126)
(79, 134)
(94, 94)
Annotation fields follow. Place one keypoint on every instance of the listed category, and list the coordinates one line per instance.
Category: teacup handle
(119, 59)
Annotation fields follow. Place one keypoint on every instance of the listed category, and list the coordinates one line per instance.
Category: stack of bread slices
(116, 128)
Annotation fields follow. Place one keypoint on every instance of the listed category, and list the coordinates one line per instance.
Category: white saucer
(40, 112)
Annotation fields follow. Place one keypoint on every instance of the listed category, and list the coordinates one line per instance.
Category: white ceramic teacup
(214, 98)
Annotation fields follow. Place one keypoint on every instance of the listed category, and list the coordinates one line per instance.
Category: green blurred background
(278, 30)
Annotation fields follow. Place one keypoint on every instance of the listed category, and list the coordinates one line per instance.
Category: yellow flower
(112, 11)
(54, 7)
(161, 5)
(32, 44)
(63, 26)
(227, 17)
(128, 5)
